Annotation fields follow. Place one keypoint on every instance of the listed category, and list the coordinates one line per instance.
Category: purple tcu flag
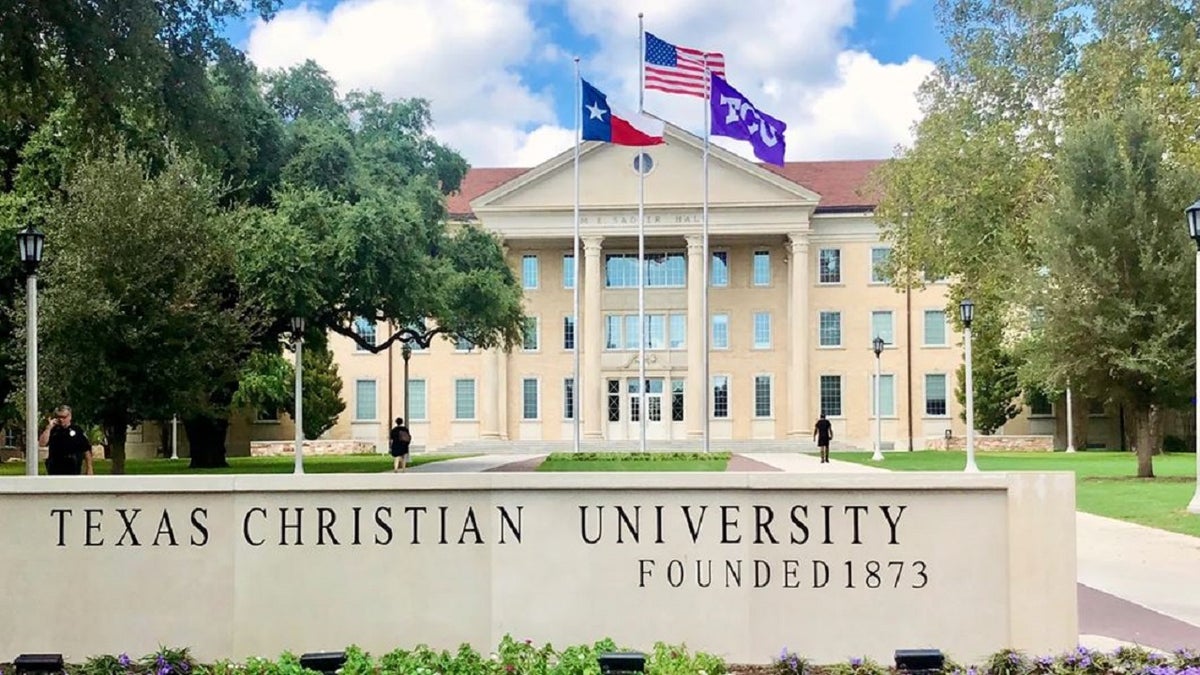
(736, 117)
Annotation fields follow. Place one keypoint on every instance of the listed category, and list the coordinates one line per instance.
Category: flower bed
(514, 657)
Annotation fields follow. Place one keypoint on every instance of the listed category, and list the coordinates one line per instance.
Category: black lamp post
(406, 352)
(298, 415)
(30, 243)
(1193, 221)
(877, 347)
(966, 310)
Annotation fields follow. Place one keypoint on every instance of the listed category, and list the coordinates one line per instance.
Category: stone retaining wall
(1040, 443)
(317, 447)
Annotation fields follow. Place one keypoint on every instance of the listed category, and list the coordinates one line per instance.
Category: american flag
(679, 70)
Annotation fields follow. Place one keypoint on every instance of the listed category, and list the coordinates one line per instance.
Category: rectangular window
(417, 409)
(635, 400)
(529, 272)
(762, 395)
(531, 334)
(1040, 405)
(631, 331)
(612, 331)
(463, 344)
(614, 400)
(720, 331)
(831, 329)
(881, 326)
(829, 266)
(464, 399)
(887, 395)
(366, 330)
(417, 327)
(656, 331)
(677, 331)
(879, 260)
(762, 330)
(762, 268)
(719, 277)
(935, 395)
(569, 271)
(529, 398)
(831, 395)
(935, 328)
(364, 400)
(568, 332)
(569, 398)
(654, 385)
(676, 400)
(720, 396)
(662, 270)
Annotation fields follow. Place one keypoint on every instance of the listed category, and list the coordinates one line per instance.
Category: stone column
(592, 323)
(489, 395)
(799, 386)
(694, 411)
(502, 424)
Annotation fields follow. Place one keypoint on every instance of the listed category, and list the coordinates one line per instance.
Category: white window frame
(713, 328)
(682, 326)
(568, 399)
(820, 334)
(888, 343)
(728, 396)
(840, 279)
(362, 327)
(526, 283)
(572, 331)
(712, 275)
(537, 399)
(770, 396)
(537, 335)
(925, 329)
(841, 394)
(946, 391)
(754, 331)
(884, 376)
(754, 256)
(474, 400)
(375, 387)
(568, 265)
(424, 412)
(874, 280)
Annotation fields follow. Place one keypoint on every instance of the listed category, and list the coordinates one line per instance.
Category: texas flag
(602, 123)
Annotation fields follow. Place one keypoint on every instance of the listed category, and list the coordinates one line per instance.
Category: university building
(795, 300)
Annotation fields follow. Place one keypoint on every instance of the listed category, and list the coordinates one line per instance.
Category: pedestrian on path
(822, 434)
(398, 443)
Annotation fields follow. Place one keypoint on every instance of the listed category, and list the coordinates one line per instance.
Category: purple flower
(124, 660)
(855, 661)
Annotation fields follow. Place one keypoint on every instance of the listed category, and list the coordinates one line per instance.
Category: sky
(500, 74)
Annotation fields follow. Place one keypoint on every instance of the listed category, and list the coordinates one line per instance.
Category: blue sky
(499, 75)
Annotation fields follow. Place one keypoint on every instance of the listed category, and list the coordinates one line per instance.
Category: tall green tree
(1118, 314)
(137, 324)
(268, 383)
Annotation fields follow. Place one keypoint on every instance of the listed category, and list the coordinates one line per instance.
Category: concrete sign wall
(741, 565)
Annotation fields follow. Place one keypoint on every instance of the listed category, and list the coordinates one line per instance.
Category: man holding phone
(70, 451)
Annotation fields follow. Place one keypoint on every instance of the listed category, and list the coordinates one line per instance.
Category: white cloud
(462, 55)
(788, 56)
(894, 7)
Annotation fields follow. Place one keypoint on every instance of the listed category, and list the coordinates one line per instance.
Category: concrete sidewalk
(471, 464)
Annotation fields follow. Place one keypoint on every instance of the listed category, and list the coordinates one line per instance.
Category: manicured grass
(1104, 481)
(282, 464)
(624, 461)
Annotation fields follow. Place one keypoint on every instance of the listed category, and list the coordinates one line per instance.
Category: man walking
(398, 442)
(70, 451)
(822, 434)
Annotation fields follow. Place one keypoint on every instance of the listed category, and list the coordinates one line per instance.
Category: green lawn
(1105, 482)
(283, 464)
(623, 461)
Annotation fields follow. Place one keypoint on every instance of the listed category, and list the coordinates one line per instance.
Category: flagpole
(575, 384)
(643, 413)
(704, 250)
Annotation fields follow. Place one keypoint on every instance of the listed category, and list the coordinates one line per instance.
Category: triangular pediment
(608, 180)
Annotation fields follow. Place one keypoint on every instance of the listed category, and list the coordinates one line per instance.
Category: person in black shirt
(822, 434)
(70, 451)
(398, 442)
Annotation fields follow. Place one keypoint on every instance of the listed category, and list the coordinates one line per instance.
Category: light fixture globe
(1193, 221)
(297, 326)
(30, 243)
(966, 310)
(877, 345)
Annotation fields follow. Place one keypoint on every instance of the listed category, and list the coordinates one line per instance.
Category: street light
(30, 242)
(966, 309)
(1193, 219)
(406, 352)
(298, 417)
(877, 345)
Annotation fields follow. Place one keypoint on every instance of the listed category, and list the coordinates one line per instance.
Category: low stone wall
(1039, 443)
(318, 447)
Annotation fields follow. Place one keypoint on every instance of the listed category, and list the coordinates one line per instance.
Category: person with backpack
(398, 442)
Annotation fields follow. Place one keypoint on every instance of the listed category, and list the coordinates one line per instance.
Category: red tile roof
(838, 182)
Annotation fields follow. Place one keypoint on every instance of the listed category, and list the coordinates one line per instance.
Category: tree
(1117, 318)
(997, 392)
(137, 324)
(268, 383)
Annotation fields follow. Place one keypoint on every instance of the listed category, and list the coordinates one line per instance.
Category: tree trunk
(116, 434)
(1144, 442)
(206, 437)
(1079, 414)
